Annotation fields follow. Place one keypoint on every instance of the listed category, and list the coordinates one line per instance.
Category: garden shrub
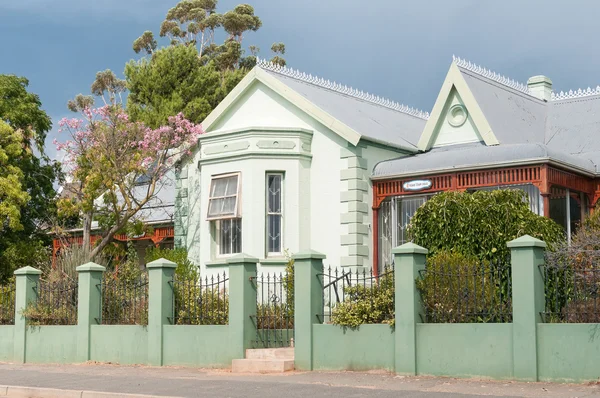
(367, 304)
(480, 223)
(573, 276)
(7, 302)
(185, 268)
(457, 288)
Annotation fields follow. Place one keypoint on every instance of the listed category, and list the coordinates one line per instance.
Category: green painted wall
(51, 344)
(368, 347)
(6, 343)
(205, 346)
(466, 349)
(123, 344)
(568, 352)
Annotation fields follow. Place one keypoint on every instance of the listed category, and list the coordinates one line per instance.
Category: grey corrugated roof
(371, 120)
(474, 156)
(574, 125)
(565, 131)
(515, 117)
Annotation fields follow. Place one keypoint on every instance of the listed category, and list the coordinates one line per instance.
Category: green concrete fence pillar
(89, 306)
(308, 304)
(160, 306)
(242, 303)
(528, 300)
(27, 279)
(409, 259)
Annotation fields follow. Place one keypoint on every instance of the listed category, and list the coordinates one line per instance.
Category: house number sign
(416, 185)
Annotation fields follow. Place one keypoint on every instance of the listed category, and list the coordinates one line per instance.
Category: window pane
(218, 187)
(230, 236)
(215, 207)
(236, 235)
(228, 206)
(274, 233)
(274, 194)
(406, 210)
(231, 185)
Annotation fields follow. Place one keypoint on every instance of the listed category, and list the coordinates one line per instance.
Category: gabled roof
(564, 130)
(351, 113)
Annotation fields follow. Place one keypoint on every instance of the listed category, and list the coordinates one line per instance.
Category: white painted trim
(455, 79)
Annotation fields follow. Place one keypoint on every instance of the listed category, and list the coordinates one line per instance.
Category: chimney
(540, 87)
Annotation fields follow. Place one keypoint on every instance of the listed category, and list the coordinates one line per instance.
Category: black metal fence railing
(7, 304)
(124, 302)
(200, 301)
(345, 292)
(56, 303)
(274, 310)
(480, 292)
(572, 287)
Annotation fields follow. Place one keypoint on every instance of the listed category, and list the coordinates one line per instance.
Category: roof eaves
(485, 166)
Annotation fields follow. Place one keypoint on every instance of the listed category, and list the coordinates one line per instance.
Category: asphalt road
(185, 382)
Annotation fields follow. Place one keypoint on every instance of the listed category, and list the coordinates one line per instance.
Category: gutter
(496, 165)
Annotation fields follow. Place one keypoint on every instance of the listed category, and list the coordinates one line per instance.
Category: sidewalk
(186, 382)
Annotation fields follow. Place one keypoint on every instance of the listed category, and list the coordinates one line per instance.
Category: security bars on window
(274, 213)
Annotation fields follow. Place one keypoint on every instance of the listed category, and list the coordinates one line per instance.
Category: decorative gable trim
(455, 79)
(341, 88)
(258, 74)
(463, 63)
(575, 93)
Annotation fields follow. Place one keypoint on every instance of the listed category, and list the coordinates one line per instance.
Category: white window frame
(269, 213)
(217, 237)
(237, 208)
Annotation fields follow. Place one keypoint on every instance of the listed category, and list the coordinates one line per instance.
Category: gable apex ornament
(340, 88)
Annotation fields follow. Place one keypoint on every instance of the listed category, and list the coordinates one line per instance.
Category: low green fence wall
(465, 349)
(6, 343)
(51, 344)
(123, 344)
(365, 348)
(157, 343)
(568, 351)
(204, 346)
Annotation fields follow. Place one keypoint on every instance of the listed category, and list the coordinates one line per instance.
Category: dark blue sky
(393, 48)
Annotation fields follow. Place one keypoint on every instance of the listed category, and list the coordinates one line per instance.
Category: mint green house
(285, 166)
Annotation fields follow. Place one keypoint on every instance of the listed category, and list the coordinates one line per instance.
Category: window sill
(274, 262)
(222, 262)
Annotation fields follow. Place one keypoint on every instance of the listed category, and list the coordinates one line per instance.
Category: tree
(173, 81)
(118, 166)
(194, 73)
(479, 224)
(12, 194)
(21, 111)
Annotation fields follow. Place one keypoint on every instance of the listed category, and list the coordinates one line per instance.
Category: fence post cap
(409, 248)
(28, 271)
(242, 258)
(526, 241)
(161, 263)
(308, 255)
(88, 267)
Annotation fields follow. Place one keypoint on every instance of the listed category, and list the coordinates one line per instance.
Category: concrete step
(270, 353)
(262, 365)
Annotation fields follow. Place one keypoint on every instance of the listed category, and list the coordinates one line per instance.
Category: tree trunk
(87, 230)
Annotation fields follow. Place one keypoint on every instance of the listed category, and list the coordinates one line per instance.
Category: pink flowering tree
(117, 167)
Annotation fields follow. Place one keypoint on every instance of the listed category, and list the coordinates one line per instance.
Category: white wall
(312, 186)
